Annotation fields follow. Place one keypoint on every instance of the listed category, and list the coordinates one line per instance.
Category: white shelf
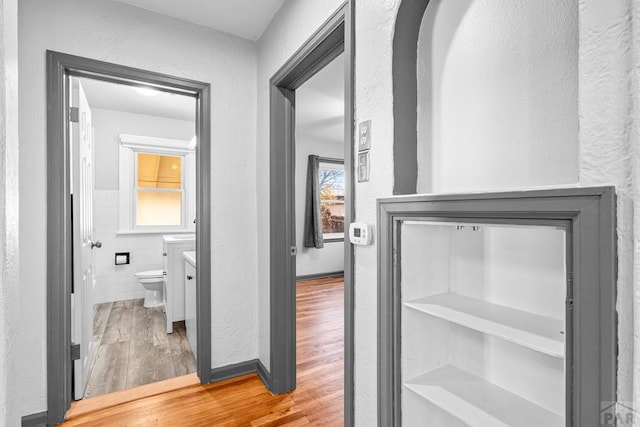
(477, 402)
(540, 333)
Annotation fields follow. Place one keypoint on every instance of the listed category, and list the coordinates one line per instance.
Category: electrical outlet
(364, 136)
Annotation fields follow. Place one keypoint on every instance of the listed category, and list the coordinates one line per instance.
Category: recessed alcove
(476, 316)
(485, 95)
(496, 309)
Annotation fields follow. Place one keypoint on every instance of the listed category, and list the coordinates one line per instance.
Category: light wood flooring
(133, 348)
(244, 401)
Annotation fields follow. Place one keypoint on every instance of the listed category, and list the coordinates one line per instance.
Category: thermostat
(360, 233)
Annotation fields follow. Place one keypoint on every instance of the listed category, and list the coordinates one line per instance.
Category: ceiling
(244, 18)
(319, 101)
(320, 104)
(113, 96)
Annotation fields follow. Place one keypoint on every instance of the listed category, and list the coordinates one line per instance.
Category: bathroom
(143, 218)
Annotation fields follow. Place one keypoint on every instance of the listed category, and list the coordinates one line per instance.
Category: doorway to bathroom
(129, 180)
(133, 197)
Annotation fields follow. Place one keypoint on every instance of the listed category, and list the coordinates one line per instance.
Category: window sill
(333, 239)
(155, 231)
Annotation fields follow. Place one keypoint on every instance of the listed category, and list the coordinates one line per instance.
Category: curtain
(312, 216)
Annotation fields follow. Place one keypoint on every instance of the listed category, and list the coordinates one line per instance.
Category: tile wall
(117, 282)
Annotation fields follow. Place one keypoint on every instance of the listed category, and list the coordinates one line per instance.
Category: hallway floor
(317, 400)
(133, 348)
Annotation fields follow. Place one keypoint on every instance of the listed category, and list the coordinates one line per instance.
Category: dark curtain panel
(312, 218)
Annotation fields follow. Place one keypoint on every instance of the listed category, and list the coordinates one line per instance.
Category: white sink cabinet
(173, 283)
(191, 322)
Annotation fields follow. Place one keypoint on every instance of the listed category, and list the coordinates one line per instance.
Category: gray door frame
(589, 218)
(60, 67)
(335, 36)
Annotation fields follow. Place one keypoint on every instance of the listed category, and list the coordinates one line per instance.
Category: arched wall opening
(485, 95)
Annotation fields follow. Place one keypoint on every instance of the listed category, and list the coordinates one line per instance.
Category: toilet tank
(173, 265)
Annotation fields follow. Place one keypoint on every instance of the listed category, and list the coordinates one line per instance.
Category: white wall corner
(609, 49)
(9, 297)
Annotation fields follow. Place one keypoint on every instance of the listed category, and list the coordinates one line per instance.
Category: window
(331, 186)
(159, 190)
(157, 185)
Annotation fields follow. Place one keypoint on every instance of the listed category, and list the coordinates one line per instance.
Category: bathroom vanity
(190, 299)
(173, 266)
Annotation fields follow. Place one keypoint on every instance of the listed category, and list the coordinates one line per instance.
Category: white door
(81, 134)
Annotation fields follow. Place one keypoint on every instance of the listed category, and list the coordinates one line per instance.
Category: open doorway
(333, 38)
(320, 233)
(63, 290)
(133, 192)
(319, 159)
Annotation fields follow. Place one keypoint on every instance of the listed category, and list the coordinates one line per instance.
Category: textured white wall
(608, 141)
(610, 154)
(292, 25)
(498, 95)
(9, 296)
(119, 33)
(460, 62)
(374, 101)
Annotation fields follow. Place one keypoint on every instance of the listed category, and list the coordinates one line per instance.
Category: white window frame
(130, 146)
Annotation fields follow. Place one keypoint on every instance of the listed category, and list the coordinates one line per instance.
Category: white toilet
(152, 282)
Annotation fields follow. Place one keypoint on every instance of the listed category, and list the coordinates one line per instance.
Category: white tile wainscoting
(117, 282)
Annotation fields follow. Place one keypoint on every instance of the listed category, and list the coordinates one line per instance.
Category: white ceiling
(113, 96)
(244, 18)
(320, 104)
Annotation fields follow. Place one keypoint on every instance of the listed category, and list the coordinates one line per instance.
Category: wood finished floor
(318, 399)
(133, 348)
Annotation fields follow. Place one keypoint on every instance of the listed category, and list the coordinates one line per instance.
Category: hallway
(244, 401)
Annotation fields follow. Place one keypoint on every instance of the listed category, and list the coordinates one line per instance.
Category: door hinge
(74, 114)
(294, 250)
(75, 352)
(570, 290)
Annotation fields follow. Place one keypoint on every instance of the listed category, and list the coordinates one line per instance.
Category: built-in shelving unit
(477, 402)
(472, 292)
(540, 333)
(482, 320)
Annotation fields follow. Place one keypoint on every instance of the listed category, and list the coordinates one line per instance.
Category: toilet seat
(151, 274)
